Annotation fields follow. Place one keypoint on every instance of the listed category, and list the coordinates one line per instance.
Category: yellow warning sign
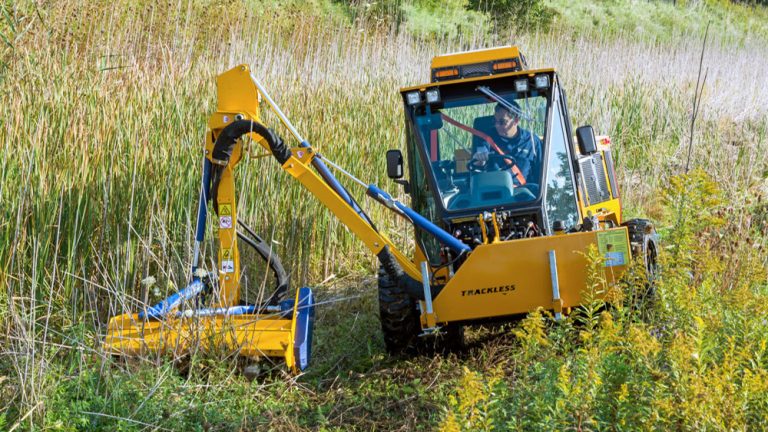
(226, 254)
(225, 209)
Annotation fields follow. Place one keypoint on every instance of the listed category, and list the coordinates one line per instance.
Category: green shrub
(529, 16)
(695, 359)
(443, 19)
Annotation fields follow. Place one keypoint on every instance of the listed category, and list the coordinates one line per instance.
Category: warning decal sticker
(614, 247)
(225, 216)
(227, 261)
(225, 209)
(225, 222)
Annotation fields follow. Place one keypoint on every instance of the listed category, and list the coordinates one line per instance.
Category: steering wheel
(499, 159)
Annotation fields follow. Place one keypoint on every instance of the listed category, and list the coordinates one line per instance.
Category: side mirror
(394, 164)
(585, 136)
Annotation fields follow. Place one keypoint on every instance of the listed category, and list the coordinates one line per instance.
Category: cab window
(511, 172)
(560, 197)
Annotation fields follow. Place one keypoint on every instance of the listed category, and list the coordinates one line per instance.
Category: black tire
(644, 243)
(398, 314)
(452, 338)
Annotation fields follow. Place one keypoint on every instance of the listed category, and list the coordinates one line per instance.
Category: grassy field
(664, 21)
(103, 118)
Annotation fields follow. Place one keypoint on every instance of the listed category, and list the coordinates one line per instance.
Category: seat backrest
(483, 124)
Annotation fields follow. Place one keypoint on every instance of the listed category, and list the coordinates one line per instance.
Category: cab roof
(477, 56)
(529, 72)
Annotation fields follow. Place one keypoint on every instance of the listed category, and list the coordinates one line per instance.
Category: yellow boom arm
(238, 101)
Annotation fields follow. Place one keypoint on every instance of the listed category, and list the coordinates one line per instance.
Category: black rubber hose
(222, 151)
(225, 144)
(407, 284)
(272, 260)
(269, 256)
(334, 184)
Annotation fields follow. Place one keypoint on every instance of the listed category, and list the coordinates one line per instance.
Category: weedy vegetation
(103, 114)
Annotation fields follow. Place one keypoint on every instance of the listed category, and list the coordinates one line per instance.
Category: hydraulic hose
(407, 284)
(202, 207)
(270, 258)
(330, 180)
(222, 151)
(160, 310)
(225, 144)
(418, 220)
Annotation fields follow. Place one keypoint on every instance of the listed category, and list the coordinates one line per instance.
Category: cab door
(560, 200)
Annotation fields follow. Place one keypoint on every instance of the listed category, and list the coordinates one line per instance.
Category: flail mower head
(284, 330)
(180, 324)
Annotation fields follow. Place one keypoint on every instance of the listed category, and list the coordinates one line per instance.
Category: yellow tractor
(504, 203)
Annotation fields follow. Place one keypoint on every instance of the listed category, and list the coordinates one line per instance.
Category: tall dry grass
(104, 112)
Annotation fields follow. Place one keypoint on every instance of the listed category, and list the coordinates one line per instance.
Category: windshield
(486, 151)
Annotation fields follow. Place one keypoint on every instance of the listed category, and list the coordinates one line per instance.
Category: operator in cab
(524, 146)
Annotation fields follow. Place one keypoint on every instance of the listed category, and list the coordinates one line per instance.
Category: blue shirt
(524, 146)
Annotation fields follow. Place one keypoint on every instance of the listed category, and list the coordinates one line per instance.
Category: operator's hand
(481, 156)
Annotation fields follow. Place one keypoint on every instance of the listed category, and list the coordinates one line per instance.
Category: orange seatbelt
(490, 141)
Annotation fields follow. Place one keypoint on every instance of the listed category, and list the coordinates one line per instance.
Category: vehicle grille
(594, 179)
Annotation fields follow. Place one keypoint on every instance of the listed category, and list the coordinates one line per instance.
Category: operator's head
(505, 120)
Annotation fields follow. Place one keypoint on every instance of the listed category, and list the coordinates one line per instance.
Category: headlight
(541, 81)
(433, 95)
(413, 98)
(521, 85)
